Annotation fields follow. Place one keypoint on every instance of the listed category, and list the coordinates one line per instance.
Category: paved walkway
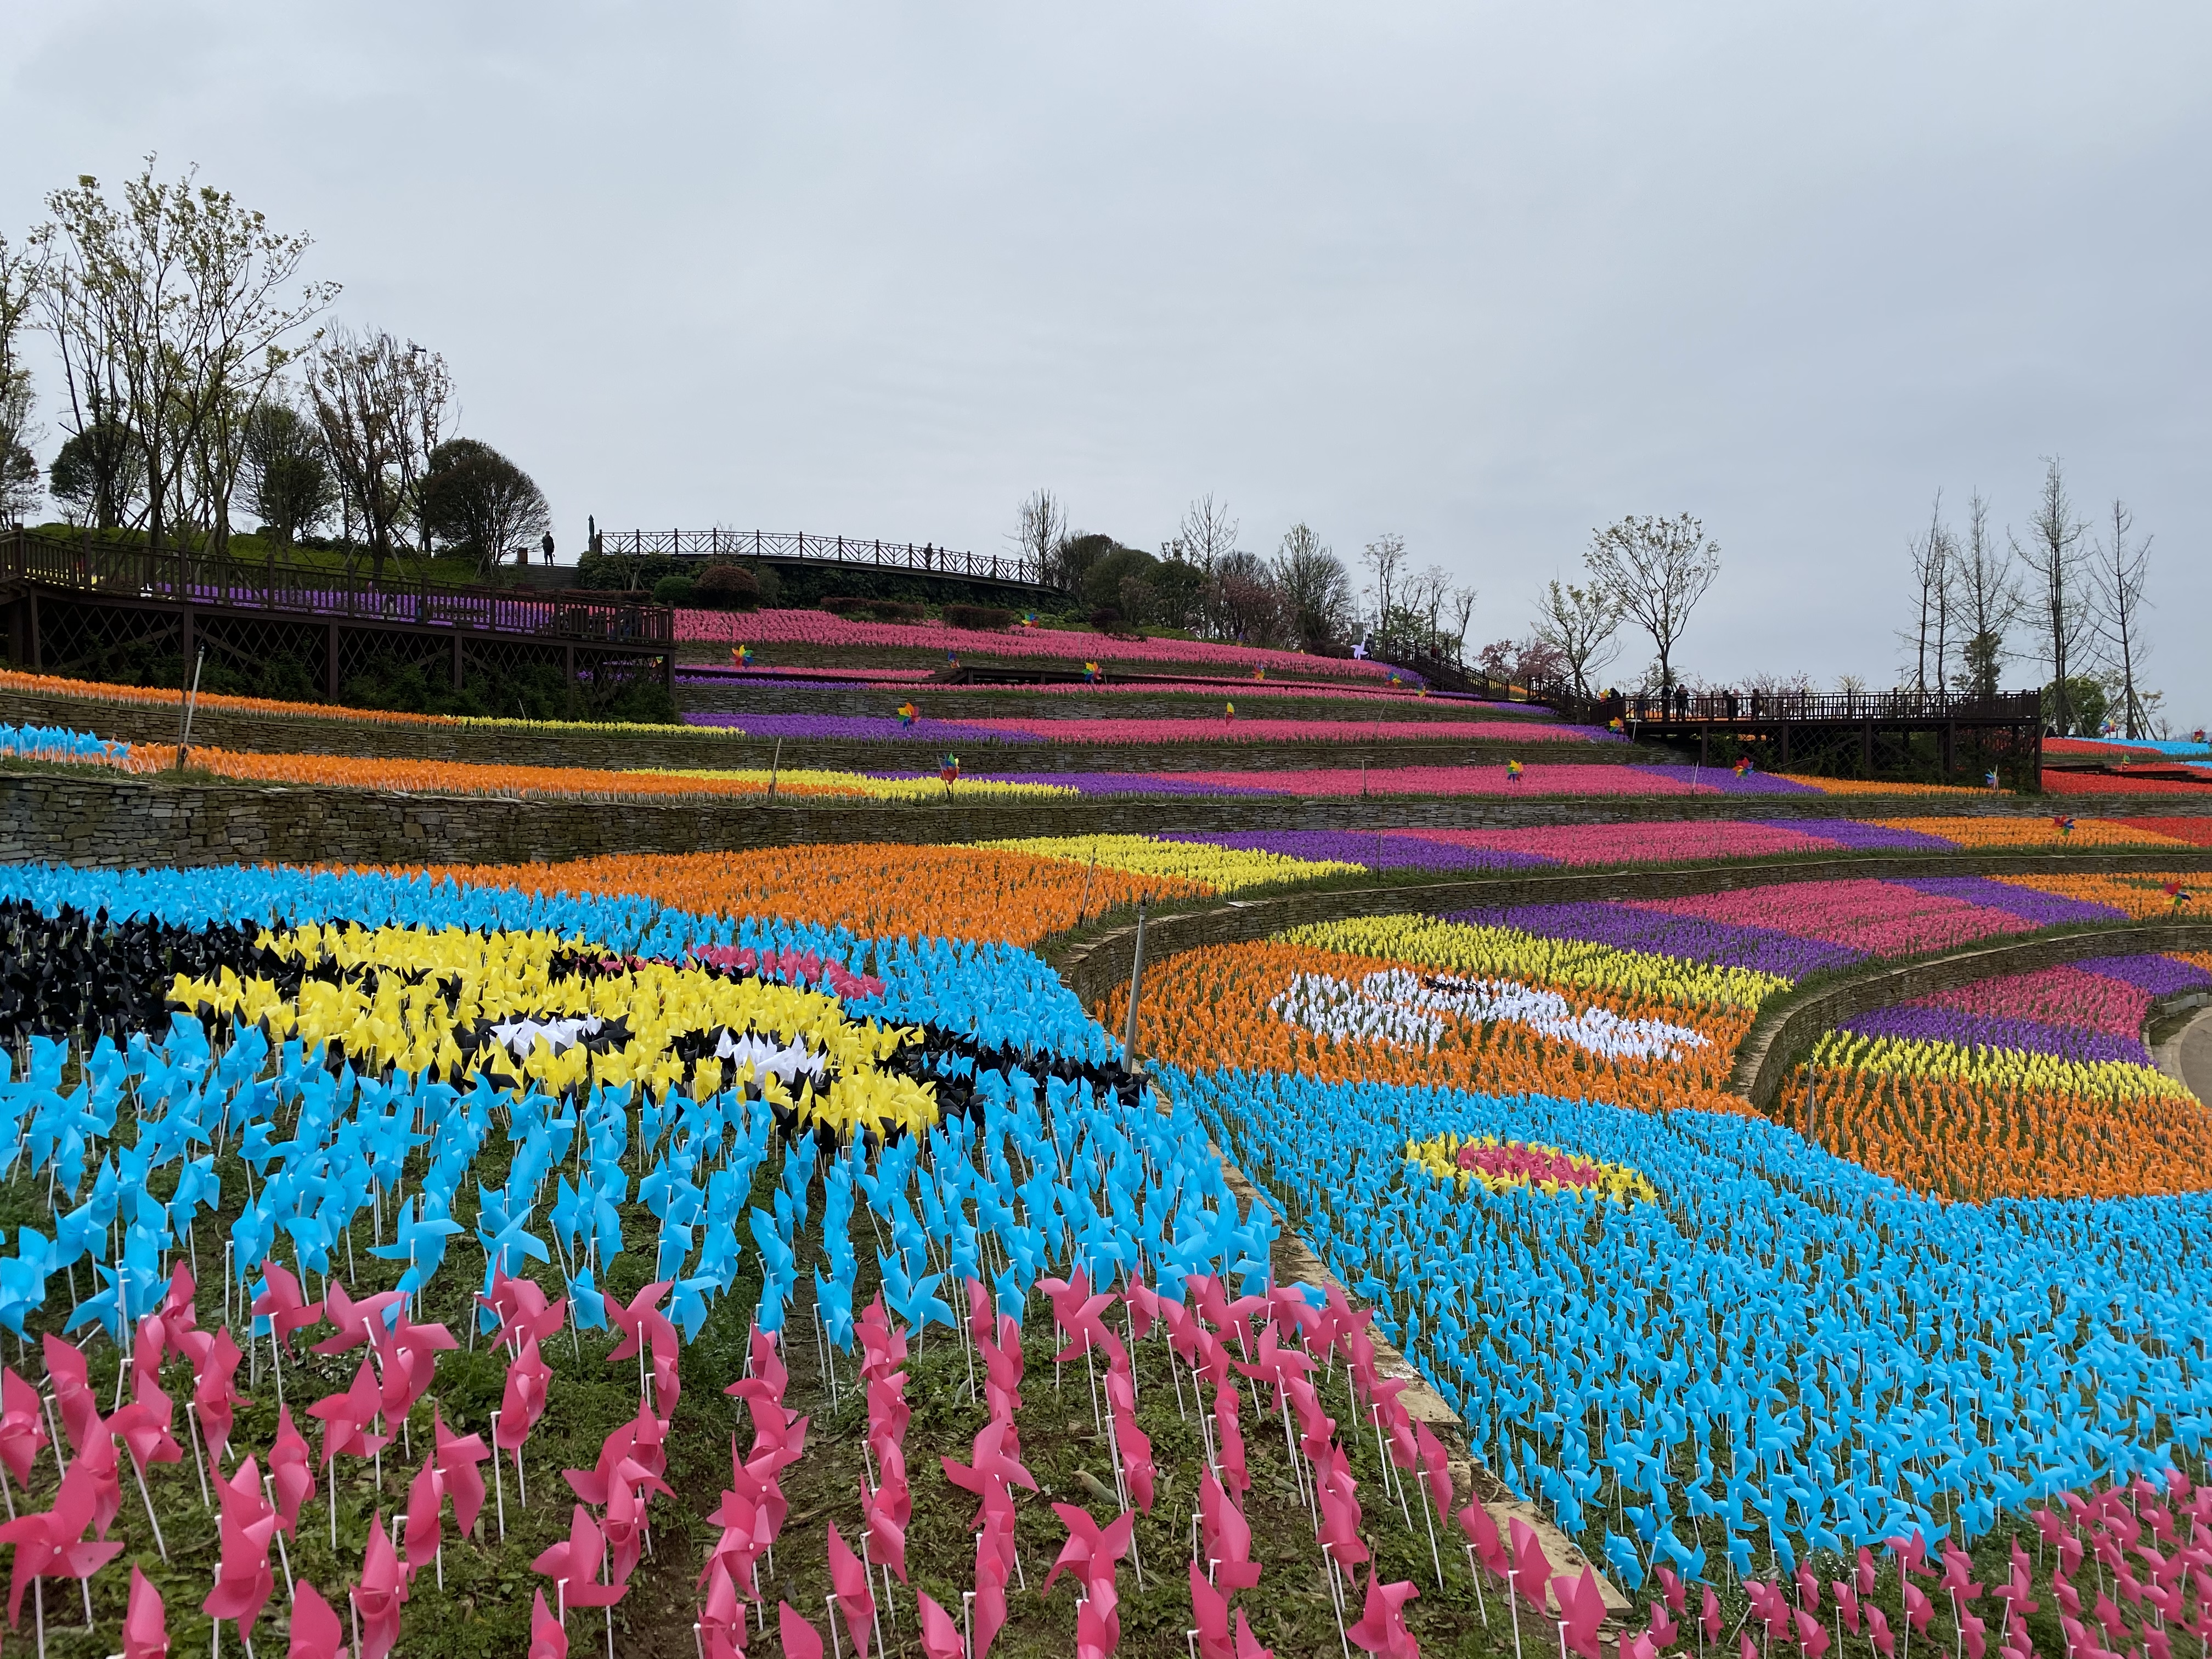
(2187, 1056)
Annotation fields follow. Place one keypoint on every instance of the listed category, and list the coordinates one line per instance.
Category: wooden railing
(99, 569)
(832, 549)
(1841, 708)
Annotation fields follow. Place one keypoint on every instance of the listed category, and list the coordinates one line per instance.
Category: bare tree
(1040, 531)
(1654, 571)
(2057, 596)
(367, 391)
(173, 311)
(1314, 587)
(1244, 599)
(1386, 557)
(1579, 623)
(1459, 603)
(1985, 598)
(1207, 533)
(1932, 556)
(18, 429)
(2119, 573)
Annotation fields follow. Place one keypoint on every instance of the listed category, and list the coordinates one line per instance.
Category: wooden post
(1950, 747)
(1785, 725)
(330, 661)
(457, 660)
(1866, 745)
(184, 634)
(38, 645)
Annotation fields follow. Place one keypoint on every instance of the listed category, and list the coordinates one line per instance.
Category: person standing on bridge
(547, 544)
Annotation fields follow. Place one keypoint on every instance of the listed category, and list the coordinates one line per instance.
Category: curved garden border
(1787, 1027)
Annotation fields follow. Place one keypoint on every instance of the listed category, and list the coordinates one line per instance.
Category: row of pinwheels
(1781, 1355)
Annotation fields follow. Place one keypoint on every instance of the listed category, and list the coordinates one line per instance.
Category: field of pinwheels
(770, 1252)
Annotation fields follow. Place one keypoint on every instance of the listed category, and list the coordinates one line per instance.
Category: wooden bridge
(777, 547)
(1801, 724)
(78, 606)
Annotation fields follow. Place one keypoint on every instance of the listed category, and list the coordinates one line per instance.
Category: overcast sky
(1484, 276)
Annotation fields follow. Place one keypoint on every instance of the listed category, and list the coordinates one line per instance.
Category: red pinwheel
(848, 1581)
(292, 1470)
(243, 1582)
(316, 1632)
(1381, 1626)
(51, 1543)
(721, 1616)
(1482, 1533)
(1228, 1537)
(145, 1621)
(457, 1457)
(381, 1592)
(573, 1565)
(549, 1639)
(522, 1309)
(23, 1426)
(1092, 1551)
(1247, 1646)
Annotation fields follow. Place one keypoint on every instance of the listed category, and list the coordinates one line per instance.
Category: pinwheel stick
(149, 1497)
(498, 1481)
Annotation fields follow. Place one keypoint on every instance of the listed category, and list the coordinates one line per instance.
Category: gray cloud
(1486, 275)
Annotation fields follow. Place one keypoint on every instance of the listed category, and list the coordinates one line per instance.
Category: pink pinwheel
(1098, 1624)
(1209, 1615)
(1228, 1438)
(548, 1639)
(179, 1317)
(1918, 1610)
(1582, 1610)
(409, 1354)
(145, 1621)
(524, 1401)
(378, 1596)
(103, 1474)
(1228, 1539)
(849, 1580)
(457, 1457)
(883, 1516)
(292, 1470)
(1482, 1532)
(721, 1616)
(800, 1639)
(316, 1632)
(424, 1534)
(147, 1354)
(993, 1470)
(1531, 1571)
(625, 1520)
(522, 1309)
(994, 1547)
(345, 1416)
(143, 1426)
(941, 1637)
(357, 1321)
(641, 1322)
(51, 1543)
(1340, 1513)
(1092, 1551)
(1137, 1466)
(65, 1368)
(1812, 1640)
(1381, 1626)
(215, 1393)
(640, 1441)
(575, 1563)
(1436, 1474)
(243, 1582)
(1247, 1646)
(281, 1305)
(23, 1426)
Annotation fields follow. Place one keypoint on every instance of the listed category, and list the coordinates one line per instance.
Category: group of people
(1681, 703)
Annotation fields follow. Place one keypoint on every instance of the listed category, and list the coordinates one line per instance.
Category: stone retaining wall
(949, 703)
(631, 750)
(92, 816)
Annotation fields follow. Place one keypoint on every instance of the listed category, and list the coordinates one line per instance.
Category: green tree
(98, 475)
(288, 477)
(476, 500)
(2075, 709)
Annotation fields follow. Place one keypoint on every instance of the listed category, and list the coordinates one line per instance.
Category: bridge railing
(100, 570)
(831, 550)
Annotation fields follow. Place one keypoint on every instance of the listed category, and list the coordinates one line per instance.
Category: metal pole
(1136, 976)
(185, 731)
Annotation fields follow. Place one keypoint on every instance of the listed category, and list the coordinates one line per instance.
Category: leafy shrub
(727, 587)
(675, 590)
(983, 618)
(845, 605)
